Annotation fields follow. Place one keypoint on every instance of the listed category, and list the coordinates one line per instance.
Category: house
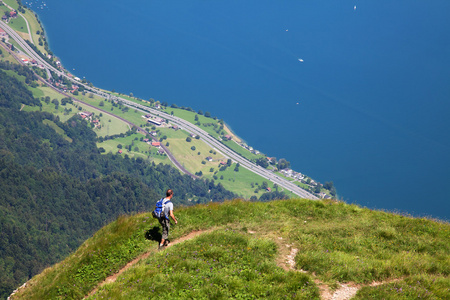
(86, 114)
(148, 116)
(175, 127)
(4, 19)
(120, 151)
(145, 140)
(209, 158)
(160, 151)
(13, 14)
(2, 32)
(156, 144)
(154, 133)
(222, 163)
(269, 189)
(227, 137)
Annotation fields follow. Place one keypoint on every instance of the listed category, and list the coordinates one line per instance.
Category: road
(26, 21)
(214, 143)
(211, 141)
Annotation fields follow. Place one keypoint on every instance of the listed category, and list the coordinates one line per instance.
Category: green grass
(6, 56)
(58, 129)
(244, 247)
(34, 27)
(16, 45)
(11, 73)
(12, 3)
(130, 115)
(414, 287)
(187, 157)
(240, 181)
(221, 265)
(242, 151)
(110, 125)
(146, 151)
(18, 24)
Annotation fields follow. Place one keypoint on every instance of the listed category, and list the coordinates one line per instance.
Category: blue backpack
(159, 209)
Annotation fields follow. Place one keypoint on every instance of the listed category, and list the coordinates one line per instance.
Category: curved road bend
(188, 126)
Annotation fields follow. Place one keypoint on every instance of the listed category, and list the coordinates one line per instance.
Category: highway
(214, 143)
(211, 141)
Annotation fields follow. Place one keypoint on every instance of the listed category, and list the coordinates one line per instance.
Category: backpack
(159, 209)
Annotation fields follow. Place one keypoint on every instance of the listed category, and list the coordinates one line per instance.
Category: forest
(54, 194)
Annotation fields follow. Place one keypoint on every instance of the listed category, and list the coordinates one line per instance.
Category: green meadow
(290, 249)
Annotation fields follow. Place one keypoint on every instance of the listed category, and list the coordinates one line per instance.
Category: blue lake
(355, 95)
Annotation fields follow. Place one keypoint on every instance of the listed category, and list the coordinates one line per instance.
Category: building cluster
(249, 148)
(155, 144)
(9, 15)
(292, 174)
(153, 120)
(88, 116)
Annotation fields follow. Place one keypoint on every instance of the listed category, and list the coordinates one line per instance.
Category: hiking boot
(166, 243)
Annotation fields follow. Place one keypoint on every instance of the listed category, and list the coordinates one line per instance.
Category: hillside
(297, 249)
(57, 189)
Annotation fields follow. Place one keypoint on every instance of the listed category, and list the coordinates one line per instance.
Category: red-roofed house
(156, 144)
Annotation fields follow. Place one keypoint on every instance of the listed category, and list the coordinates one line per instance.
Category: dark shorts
(165, 227)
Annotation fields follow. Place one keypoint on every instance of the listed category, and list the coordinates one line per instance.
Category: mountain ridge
(338, 246)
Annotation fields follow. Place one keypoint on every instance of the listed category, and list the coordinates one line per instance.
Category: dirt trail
(113, 277)
(346, 291)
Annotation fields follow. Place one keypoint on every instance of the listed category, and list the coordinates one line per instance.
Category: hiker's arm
(173, 217)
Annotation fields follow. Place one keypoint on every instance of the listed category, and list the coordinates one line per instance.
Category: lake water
(355, 95)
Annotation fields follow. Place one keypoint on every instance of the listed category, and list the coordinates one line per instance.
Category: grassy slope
(336, 242)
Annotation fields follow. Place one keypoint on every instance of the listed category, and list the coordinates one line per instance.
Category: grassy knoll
(143, 150)
(34, 27)
(44, 91)
(58, 129)
(18, 24)
(245, 182)
(110, 125)
(190, 159)
(244, 249)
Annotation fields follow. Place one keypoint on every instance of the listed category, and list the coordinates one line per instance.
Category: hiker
(164, 219)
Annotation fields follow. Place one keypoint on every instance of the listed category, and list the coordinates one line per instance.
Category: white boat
(300, 60)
